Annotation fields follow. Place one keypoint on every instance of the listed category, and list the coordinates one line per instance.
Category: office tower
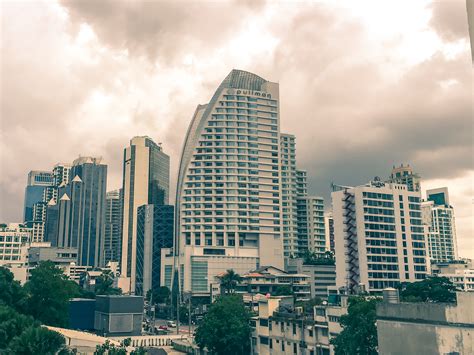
(288, 194)
(405, 175)
(311, 234)
(438, 216)
(81, 211)
(379, 236)
(61, 174)
(155, 228)
(329, 226)
(113, 226)
(146, 171)
(228, 192)
(311, 231)
(36, 184)
(51, 223)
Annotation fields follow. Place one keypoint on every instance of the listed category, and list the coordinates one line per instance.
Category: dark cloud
(163, 30)
(449, 19)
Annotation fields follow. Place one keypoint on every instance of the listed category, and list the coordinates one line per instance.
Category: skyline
(380, 79)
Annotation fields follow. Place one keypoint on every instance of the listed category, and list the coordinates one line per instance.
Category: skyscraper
(288, 195)
(155, 229)
(379, 236)
(113, 226)
(146, 170)
(438, 216)
(405, 175)
(81, 211)
(36, 184)
(228, 213)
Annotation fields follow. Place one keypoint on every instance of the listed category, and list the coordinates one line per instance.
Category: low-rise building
(459, 272)
(281, 328)
(269, 279)
(15, 239)
(321, 276)
(426, 328)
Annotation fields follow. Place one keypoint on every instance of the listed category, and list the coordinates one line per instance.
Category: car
(171, 324)
(163, 327)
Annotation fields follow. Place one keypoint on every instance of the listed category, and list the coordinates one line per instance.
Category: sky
(363, 87)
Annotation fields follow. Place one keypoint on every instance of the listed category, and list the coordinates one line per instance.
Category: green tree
(111, 349)
(12, 324)
(359, 333)
(49, 291)
(282, 290)
(433, 289)
(312, 258)
(104, 284)
(225, 329)
(38, 340)
(12, 293)
(309, 305)
(229, 281)
(160, 295)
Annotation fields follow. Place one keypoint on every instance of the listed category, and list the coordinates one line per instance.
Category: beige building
(15, 239)
(427, 328)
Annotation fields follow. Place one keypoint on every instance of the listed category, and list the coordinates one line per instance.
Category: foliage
(359, 334)
(37, 340)
(160, 295)
(229, 281)
(282, 290)
(11, 292)
(111, 349)
(433, 289)
(12, 324)
(312, 258)
(225, 329)
(49, 291)
(104, 284)
(309, 305)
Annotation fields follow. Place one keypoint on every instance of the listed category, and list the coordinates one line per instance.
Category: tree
(312, 258)
(104, 284)
(282, 290)
(38, 340)
(229, 281)
(12, 293)
(359, 334)
(49, 291)
(160, 295)
(433, 289)
(309, 305)
(111, 349)
(225, 329)
(12, 324)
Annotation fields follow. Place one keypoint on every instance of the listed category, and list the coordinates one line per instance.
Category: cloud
(361, 88)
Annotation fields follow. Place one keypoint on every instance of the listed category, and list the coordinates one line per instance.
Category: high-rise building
(146, 171)
(289, 194)
(311, 234)
(329, 226)
(113, 226)
(379, 236)
(34, 191)
(155, 230)
(228, 213)
(405, 175)
(81, 211)
(438, 216)
(311, 231)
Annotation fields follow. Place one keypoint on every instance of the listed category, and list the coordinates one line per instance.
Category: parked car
(171, 324)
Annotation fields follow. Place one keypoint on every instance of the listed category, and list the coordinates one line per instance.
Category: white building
(289, 194)
(438, 216)
(380, 240)
(14, 242)
(228, 213)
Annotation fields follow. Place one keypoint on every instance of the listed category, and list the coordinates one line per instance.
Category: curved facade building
(228, 197)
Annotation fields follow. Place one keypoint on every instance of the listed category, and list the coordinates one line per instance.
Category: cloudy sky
(363, 87)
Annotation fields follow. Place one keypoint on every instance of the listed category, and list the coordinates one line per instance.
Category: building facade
(81, 211)
(311, 230)
(113, 226)
(228, 213)
(289, 195)
(155, 231)
(380, 240)
(329, 227)
(15, 239)
(404, 175)
(438, 216)
(34, 191)
(321, 276)
(146, 170)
